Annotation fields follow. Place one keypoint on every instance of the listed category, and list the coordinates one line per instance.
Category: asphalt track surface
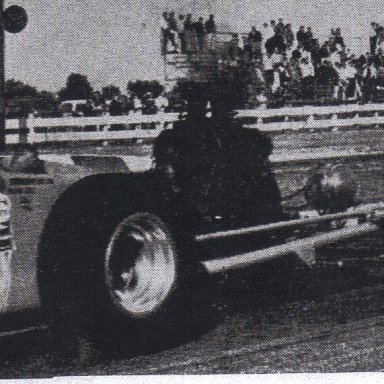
(327, 319)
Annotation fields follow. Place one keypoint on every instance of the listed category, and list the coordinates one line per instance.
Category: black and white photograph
(191, 187)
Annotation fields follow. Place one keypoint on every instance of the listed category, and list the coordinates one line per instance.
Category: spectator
(277, 57)
(210, 29)
(172, 23)
(294, 72)
(275, 42)
(380, 41)
(268, 71)
(338, 38)
(326, 79)
(279, 28)
(190, 35)
(316, 53)
(373, 37)
(181, 31)
(352, 89)
(308, 37)
(167, 35)
(308, 79)
(288, 37)
(267, 32)
(200, 33)
(335, 56)
(255, 39)
(301, 36)
(234, 50)
(369, 76)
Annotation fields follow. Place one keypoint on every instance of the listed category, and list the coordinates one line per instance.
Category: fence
(74, 129)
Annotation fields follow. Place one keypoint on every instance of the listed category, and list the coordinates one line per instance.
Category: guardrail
(312, 117)
(72, 129)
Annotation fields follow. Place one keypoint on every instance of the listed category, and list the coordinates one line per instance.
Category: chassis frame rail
(304, 248)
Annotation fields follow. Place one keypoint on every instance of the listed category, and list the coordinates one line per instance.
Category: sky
(114, 41)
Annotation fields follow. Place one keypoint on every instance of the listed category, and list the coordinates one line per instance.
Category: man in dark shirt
(326, 79)
(280, 27)
(301, 36)
(254, 39)
(210, 25)
(338, 38)
(200, 32)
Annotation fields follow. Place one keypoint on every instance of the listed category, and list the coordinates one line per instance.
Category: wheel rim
(140, 265)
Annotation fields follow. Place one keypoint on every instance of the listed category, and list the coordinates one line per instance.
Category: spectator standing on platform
(279, 28)
(326, 80)
(210, 29)
(166, 35)
(234, 49)
(181, 31)
(172, 23)
(294, 72)
(164, 32)
(267, 32)
(268, 71)
(200, 33)
(308, 39)
(308, 78)
(301, 36)
(338, 38)
(380, 41)
(352, 89)
(375, 30)
(369, 76)
(255, 39)
(190, 35)
(277, 57)
(273, 26)
(288, 37)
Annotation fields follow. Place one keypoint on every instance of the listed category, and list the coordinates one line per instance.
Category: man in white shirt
(307, 79)
(161, 103)
(267, 32)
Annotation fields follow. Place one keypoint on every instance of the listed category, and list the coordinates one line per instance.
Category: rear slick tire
(125, 287)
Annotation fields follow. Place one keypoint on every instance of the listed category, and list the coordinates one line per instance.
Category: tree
(141, 87)
(77, 88)
(17, 89)
(110, 91)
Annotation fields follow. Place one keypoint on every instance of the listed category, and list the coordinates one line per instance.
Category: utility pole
(2, 79)
(13, 20)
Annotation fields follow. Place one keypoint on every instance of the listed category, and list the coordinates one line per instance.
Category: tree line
(23, 99)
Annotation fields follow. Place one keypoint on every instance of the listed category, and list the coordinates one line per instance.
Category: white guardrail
(70, 129)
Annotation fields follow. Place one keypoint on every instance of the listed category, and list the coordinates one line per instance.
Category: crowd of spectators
(285, 65)
(182, 34)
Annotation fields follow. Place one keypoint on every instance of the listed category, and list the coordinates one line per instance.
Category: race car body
(106, 244)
